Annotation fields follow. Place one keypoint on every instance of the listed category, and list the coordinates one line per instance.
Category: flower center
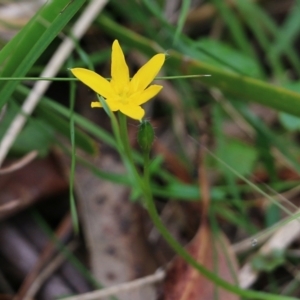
(124, 95)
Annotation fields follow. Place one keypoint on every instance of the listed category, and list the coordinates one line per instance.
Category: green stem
(144, 184)
(135, 178)
(185, 254)
(124, 136)
(147, 170)
(73, 208)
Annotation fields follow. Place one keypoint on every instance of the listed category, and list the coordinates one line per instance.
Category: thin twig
(25, 160)
(61, 233)
(11, 205)
(156, 277)
(55, 263)
(108, 78)
(280, 240)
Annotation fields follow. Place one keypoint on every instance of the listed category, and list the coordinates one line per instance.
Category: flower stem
(135, 178)
(144, 184)
(185, 254)
(124, 136)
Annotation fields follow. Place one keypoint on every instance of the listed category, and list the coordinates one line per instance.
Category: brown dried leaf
(6, 297)
(23, 187)
(113, 227)
(183, 282)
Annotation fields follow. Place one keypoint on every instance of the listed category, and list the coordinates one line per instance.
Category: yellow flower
(121, 93)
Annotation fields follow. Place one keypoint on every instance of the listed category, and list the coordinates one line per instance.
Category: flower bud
(145, 135)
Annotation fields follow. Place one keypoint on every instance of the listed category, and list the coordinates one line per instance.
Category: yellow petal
(146, 73)
(119, 68)
(113, 105)
(95, 104)
(132, 111)
(94, 81)
(144, 96)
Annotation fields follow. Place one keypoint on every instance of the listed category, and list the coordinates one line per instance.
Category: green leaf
(290, 122)
(61, 125)
(232, 57)
(36, 135)
(268, 263)
(183, 191)
(238, 155)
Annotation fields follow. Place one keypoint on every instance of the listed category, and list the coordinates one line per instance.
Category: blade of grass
(38, 35)
(272, 29)
(184, 44)
(275, 140)
(182, 17)
(242, 87)
(250, 11)
(61, 54)
(287, 32)
(61, 125)
(228, 175)
(73, 209)
(235, 27)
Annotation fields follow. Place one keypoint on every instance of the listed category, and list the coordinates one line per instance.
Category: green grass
(251, 62)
